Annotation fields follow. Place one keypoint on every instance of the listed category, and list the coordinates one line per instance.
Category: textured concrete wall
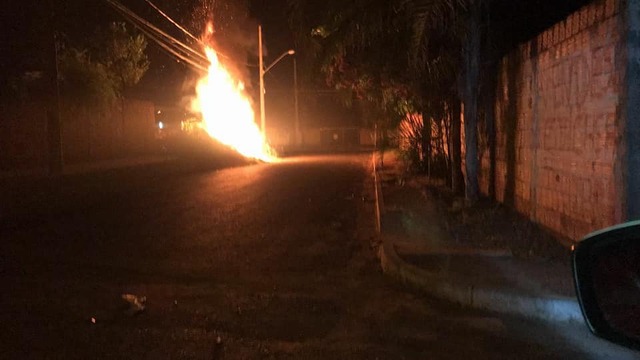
(90, 135)
(86, 135)
(23, 135)
(558, 126)
(139, 127)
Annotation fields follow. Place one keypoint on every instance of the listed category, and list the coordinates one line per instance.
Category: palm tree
(436, 58)
(472, 51)
(411, 49)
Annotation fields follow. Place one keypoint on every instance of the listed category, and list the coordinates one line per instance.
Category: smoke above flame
(227, 114)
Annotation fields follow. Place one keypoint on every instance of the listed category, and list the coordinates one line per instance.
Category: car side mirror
(606, 273)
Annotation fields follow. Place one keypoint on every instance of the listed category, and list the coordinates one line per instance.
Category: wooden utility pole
(54, 125)
(261, 65)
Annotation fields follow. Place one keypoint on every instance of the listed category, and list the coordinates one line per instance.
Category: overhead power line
(172, 46)
(183, 29)
(173, 52)
(168, 43)
(171, 39)
(174, 22)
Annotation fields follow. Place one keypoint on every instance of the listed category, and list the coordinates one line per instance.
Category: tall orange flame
(227, 113)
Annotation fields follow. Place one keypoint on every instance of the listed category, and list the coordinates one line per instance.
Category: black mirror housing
(606, 273)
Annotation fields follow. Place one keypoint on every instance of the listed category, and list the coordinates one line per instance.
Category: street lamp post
(264, 70)
(261, 66)
(295, 103)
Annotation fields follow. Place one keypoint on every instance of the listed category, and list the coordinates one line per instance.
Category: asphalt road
(272, 260)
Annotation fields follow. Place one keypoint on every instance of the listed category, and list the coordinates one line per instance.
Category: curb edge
(557, 309)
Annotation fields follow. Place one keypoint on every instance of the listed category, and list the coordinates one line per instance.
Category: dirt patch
(490, 225)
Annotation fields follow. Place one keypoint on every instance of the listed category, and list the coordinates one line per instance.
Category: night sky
(25, 31)
(25, 28)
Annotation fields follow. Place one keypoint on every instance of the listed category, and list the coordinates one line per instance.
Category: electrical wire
(180, 45)
(173, 52)
(174, 22)
(163, 39)
(169, 44)
(183, 29)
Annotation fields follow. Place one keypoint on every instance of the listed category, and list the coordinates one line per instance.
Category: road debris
(134, 304)
(336, 225)
(217, 348)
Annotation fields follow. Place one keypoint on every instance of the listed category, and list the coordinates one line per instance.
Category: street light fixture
(288, 52)
(263, 71)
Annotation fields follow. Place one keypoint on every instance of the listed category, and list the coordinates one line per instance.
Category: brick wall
(557, 124)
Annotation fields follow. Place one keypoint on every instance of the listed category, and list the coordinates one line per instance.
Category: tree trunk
(456, 146)
(426, 142)
(425, 137)
(490, 119)
(446, 124)
(124, 145)
(472, 72)
(440, 140)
